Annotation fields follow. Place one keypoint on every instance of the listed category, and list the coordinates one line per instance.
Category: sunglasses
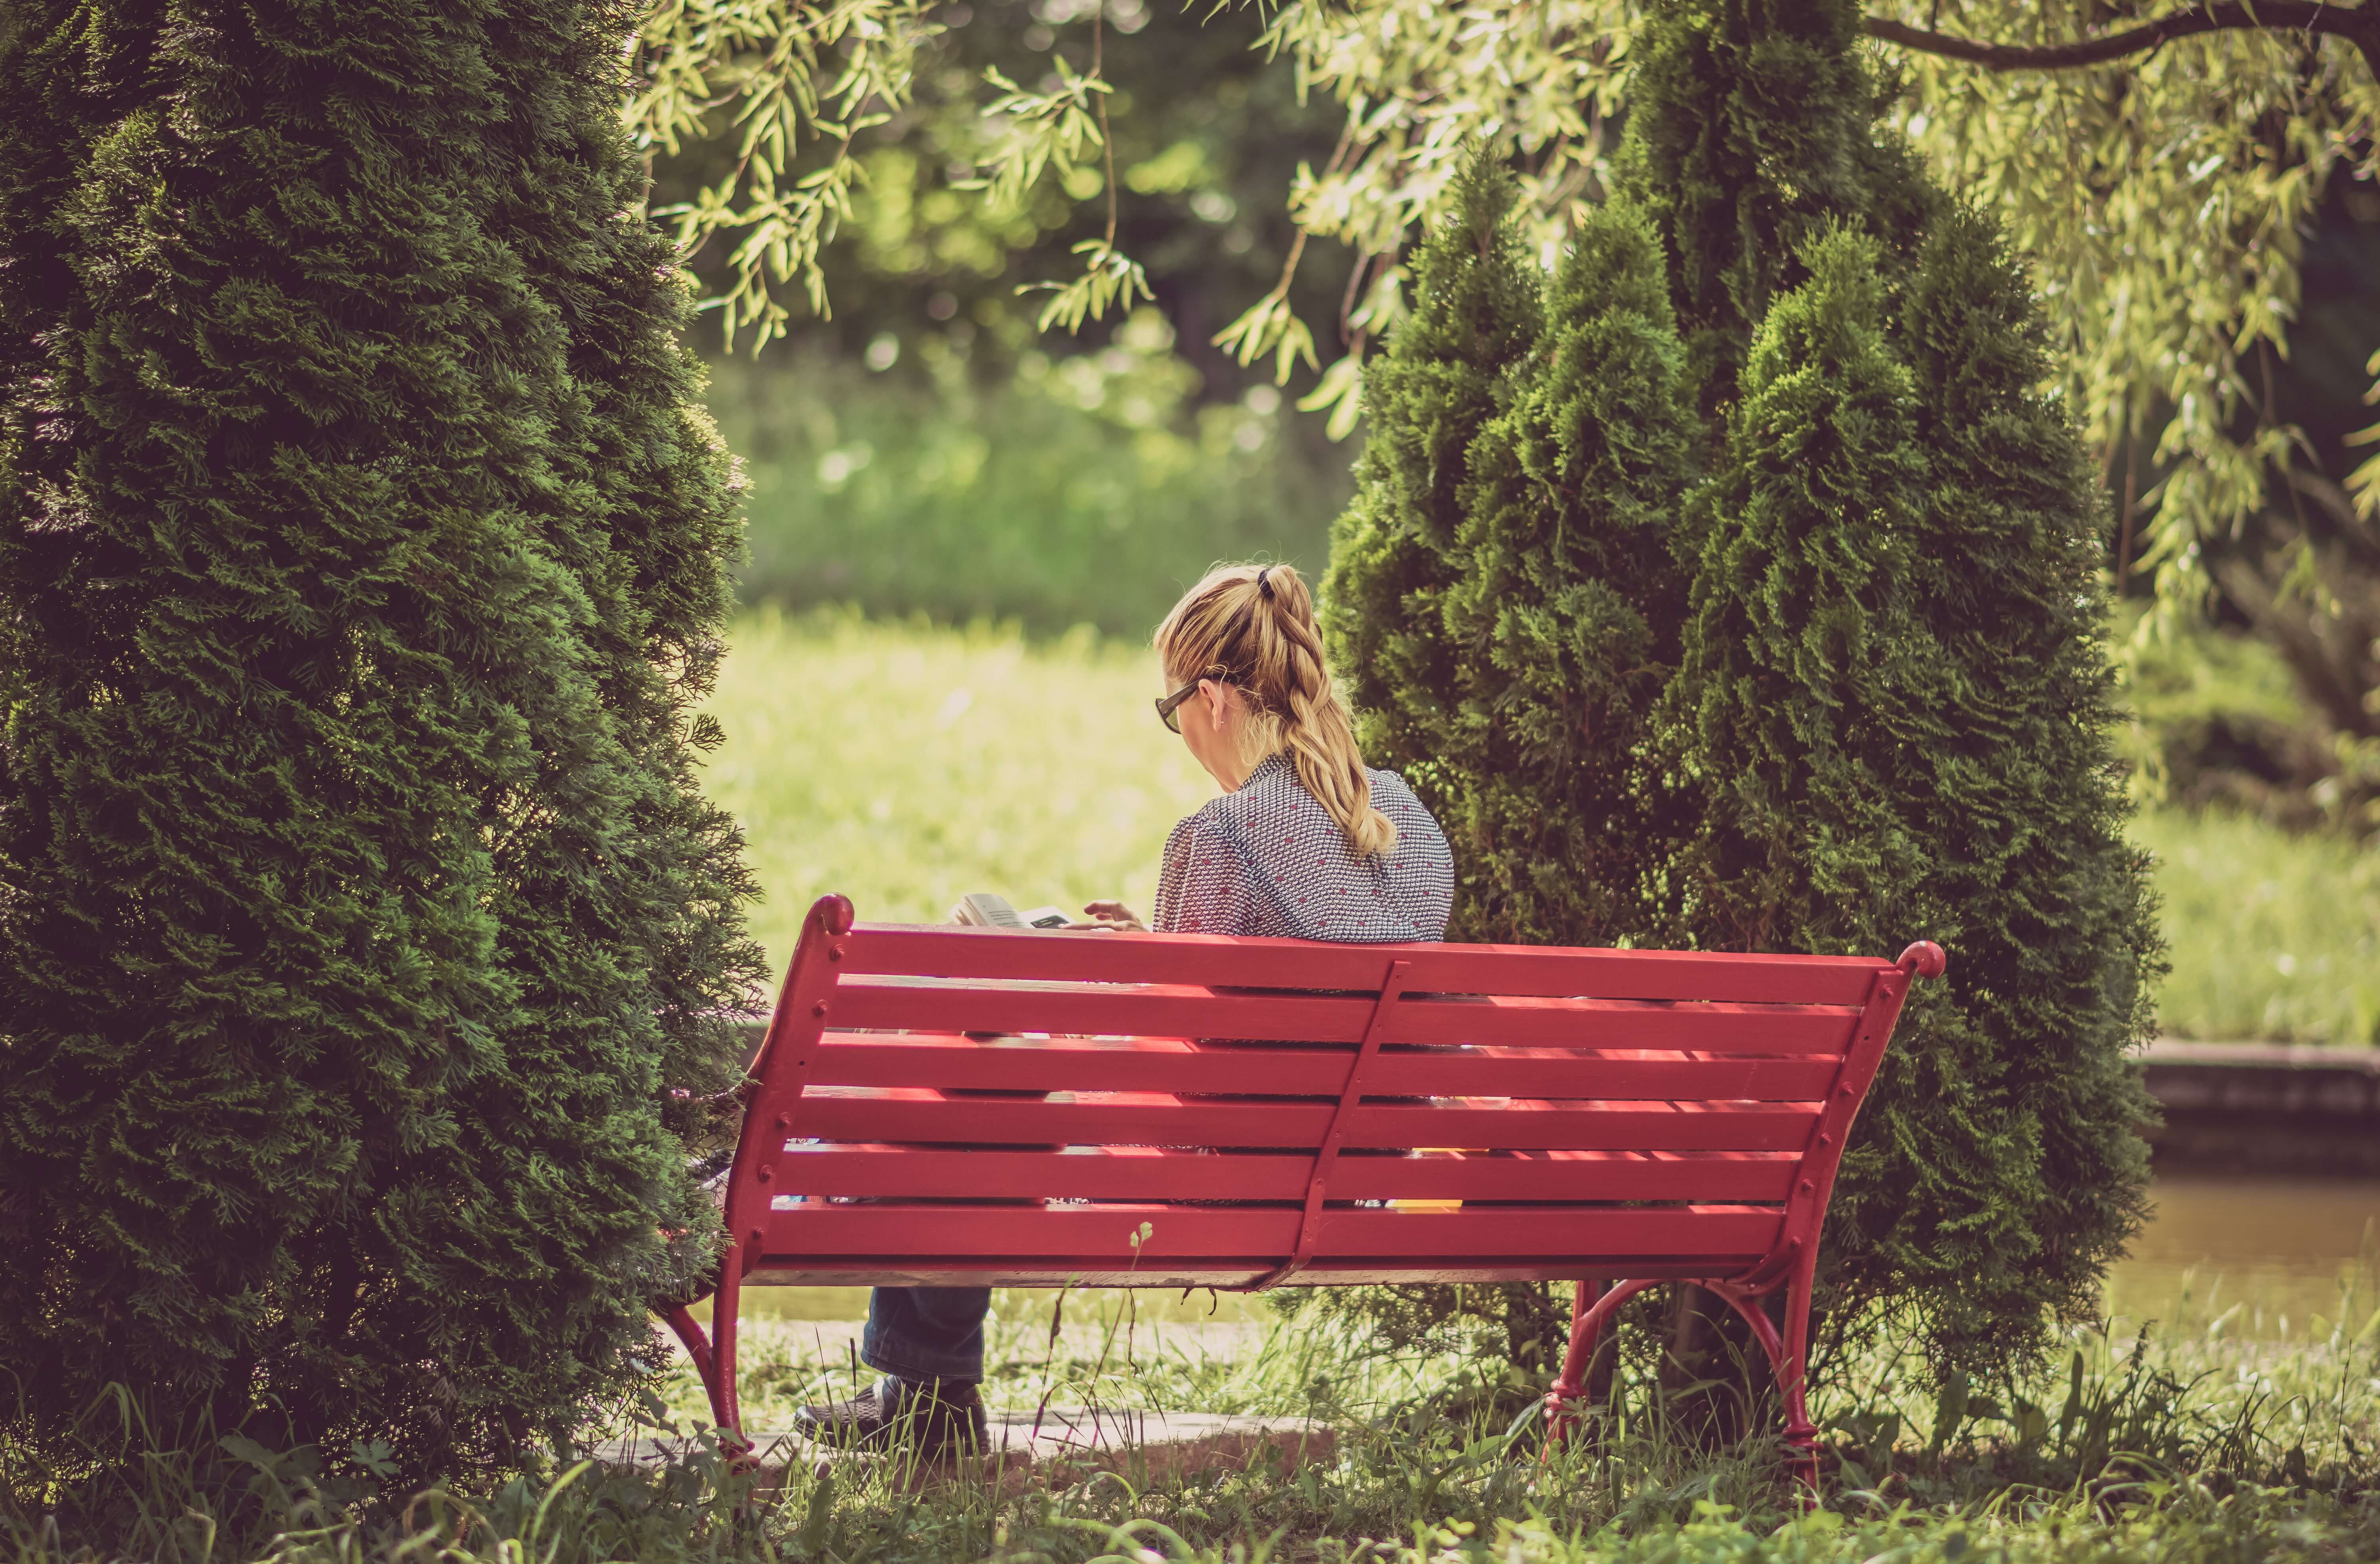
(1168, 708)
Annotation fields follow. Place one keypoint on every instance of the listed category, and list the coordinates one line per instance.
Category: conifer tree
(1393, 552)
(361, 556)
(1898, 695)
(1752, 130)
(1564, 610)
(1513, 637)
(1899, 706)
(661, 532)
(2040, 1176)
(1888, 715)
(1803, 647)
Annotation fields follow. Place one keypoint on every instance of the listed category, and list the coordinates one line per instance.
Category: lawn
(905, 766)
(2273, 936)
(1086, 491)
(2126, 1447)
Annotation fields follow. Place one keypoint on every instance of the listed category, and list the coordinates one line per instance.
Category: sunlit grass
(2220, 1354)
(2171, 1440)
(2273, 936)
(905, 767)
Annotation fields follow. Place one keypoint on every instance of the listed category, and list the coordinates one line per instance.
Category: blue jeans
(926, 1333)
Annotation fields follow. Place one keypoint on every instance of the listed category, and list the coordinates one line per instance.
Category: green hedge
(363, 554)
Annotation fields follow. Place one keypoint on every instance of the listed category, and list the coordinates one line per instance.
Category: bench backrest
(965, 1106)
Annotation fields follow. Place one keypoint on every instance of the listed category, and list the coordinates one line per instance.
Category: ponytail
(1253, 627)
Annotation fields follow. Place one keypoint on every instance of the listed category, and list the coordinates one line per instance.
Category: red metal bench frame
(947, 1105)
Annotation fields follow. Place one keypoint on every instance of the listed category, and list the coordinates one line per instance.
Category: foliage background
(1090, 488)
(920, 362)
(2203, 213)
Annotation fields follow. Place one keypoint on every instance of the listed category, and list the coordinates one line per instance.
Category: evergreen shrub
(1857, 694)
(1475, 315)
(1561, 624)
(363, 554)
(1531, 572)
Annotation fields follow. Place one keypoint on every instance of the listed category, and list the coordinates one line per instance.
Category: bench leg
(697, 1347)
(1589, 1315)
(723, 1305)
(714, 1356)
(1801, 1434)
(1787, 1356)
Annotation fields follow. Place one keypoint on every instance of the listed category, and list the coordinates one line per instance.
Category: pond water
(2269, 1258)
(2272, 1259)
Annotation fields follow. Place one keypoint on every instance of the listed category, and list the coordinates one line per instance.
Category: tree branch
(2333, 500)
(2360, 26)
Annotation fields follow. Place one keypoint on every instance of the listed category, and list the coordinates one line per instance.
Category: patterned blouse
(1270, 860)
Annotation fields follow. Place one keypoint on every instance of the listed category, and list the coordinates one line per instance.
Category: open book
(985, 909)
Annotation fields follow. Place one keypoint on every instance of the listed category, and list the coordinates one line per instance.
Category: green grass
(2131, 1445)
(2273, 936)
(905, 766)
(1083, 492)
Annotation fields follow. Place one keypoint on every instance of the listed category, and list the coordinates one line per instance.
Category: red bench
(967, 1107)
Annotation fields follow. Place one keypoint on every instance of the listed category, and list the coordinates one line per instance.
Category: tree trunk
(1717, 1387)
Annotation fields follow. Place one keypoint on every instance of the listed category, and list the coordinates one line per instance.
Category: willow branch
(2360, 26)
(1107, 137)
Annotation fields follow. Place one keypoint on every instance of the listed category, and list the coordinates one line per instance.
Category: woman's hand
(1114, 917)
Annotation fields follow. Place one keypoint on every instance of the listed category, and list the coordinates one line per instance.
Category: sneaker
(944, 1417)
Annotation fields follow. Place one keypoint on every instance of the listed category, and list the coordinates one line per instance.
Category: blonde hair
(1252, 627)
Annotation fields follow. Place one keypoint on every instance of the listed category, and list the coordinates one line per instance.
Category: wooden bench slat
(787, 1270)
(1571, 1125)
(1544, 1022)
(1176, 1065)
(813, 1234)
(1147, 1174)
(997, 1121)
(1186, 1011)
(1139, 1010)
(1138, 1064)
(895, 950)
(1114, 1173)
(1706, 1177)
(1522, 1233)
(1563, 1125)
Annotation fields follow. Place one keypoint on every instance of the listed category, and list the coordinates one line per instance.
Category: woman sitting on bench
(1305, 844)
